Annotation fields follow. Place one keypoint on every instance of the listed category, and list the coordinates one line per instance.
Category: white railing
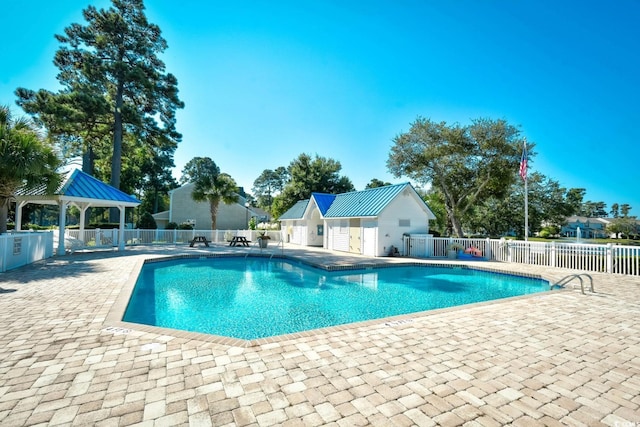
(22, 248)
(110, 238)
(18, 249)
(615, 259)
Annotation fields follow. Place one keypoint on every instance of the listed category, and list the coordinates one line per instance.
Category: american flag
(523, 163)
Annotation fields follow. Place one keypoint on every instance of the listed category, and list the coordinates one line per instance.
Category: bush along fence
(609, 258)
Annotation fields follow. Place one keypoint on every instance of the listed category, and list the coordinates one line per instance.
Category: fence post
(488, 251)
(609, 258)
(553, 254)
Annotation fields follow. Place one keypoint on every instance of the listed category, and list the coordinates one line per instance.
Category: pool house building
(370, 222)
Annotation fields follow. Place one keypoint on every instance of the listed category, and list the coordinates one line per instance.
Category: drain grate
(117, 331)
(398, 322)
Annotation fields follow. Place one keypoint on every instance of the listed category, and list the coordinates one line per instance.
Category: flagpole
(526, 210)
(523, 173)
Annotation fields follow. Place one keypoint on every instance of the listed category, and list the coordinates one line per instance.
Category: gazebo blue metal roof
(80, 187)
(83, 185)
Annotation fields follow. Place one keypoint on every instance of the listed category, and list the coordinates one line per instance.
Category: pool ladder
(279, 244)
(566, 280)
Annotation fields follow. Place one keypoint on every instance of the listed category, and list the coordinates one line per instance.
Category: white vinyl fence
(615, 259)
(108, 238)
(18, 249)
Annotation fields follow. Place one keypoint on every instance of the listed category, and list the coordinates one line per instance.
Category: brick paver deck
(560, 358)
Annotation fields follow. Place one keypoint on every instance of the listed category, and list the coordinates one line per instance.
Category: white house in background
(590, 228)
(367, 222)
(183, 209)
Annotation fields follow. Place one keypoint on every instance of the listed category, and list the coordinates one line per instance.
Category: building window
(404, 223)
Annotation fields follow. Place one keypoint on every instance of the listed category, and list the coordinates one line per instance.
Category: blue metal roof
(323, 201)
(296, 211)
(83, 185)
(365, 203)
(356, 204)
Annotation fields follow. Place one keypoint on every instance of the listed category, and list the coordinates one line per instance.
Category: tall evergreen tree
(112, 64)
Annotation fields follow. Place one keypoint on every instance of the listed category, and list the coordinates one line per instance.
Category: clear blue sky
(264, 81)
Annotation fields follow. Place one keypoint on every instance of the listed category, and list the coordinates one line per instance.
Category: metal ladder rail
(566, 280)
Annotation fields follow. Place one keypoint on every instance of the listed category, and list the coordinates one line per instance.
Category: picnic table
(199, 239)
(239, 241)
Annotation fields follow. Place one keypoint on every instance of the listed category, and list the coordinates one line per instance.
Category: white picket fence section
(609, 258)
(108, 238)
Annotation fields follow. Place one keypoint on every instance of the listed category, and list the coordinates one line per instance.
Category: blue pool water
(250, 298)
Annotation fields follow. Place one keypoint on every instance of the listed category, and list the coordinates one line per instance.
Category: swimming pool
(251, 298)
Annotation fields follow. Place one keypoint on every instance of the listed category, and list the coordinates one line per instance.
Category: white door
(369, 238)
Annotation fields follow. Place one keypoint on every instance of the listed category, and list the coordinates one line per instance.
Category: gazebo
(84, 191)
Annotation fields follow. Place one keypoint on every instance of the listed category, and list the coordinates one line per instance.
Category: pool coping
(113, 321)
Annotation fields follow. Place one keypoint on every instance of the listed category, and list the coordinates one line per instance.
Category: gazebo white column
(19, 206)
(83, 210)
(61, 227)
(121, 233)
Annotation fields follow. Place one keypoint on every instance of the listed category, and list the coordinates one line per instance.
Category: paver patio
(560, 358)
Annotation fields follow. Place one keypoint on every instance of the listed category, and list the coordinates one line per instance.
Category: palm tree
(27, 161)
(210, 185)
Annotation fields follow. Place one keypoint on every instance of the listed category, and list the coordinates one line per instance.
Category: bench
(199, 239)
(239, 241)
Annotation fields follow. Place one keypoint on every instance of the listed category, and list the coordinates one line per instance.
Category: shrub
(171, 226)
(147, 222)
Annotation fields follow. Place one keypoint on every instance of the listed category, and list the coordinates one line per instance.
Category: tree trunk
(116, 160)
(4, 213)
(213, 209)
(88, 166)
(455, 221)
(457, 227)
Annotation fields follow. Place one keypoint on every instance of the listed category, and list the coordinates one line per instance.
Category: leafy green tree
(112, 63)
(434, 199)
(27, 160)
(575, 197)
(210, 185)
(549, 231)
(497, 217)
(375, 183)
(548, 201)
(268, 184)
(309, 175)
(467, 164)
(625, 208)
(76, 119)
(147, 222)
(624, 226)
(549, 204)
(593, 209)
(615, 210)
